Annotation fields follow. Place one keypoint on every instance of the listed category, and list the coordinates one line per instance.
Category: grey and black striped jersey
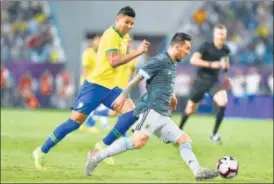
(159, 72)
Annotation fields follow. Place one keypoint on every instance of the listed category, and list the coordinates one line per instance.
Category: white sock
(119, 146)
(189, 157)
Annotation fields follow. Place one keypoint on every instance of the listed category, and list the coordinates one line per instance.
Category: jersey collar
(170, 58)
(116, 30)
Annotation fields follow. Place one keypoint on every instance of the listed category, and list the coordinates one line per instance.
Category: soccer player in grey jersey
(153, 111)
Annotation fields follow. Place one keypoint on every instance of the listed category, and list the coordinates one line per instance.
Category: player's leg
(103, 113)
(139, 138)
(89, 125)
(196, 95)
(221, 99)
(173, 134)
(189, 109)
(88, 98)
(125, 120)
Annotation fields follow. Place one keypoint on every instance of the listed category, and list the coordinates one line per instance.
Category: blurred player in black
(210, 58)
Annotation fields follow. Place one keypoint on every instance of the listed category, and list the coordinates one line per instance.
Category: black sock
(219, 119)
(183, 121)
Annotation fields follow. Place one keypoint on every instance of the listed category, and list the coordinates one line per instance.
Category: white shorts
(151, 122)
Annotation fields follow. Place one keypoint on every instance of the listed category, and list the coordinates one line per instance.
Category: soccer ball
(228, 167)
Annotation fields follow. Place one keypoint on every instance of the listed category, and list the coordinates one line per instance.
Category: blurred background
(42, 43)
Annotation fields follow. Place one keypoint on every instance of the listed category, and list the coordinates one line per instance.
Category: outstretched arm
(119, 102)
(138, 78)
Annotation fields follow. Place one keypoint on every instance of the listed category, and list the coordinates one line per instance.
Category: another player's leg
(89, 125)
(190, 109)
(104, 113)
(85, 103)
(172, 133)
(72, 124)
(125, 121)
(138, 140)
(220, 99)
(196, 94)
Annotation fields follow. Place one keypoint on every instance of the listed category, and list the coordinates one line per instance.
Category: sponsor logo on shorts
(80, 105)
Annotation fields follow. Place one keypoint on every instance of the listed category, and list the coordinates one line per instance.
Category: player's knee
(190, 108)
(127, 107)
(221, 99)
(139, 141)
(112, 113)
(189, 111)
(184, 139)
(78, 117)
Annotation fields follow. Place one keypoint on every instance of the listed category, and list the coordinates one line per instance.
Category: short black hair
(180, 37)
(127, 11)
(219, 26)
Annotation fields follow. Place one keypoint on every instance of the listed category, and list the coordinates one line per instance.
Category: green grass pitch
(250, 141)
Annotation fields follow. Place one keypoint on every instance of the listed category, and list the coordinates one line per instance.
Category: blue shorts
(90, 96)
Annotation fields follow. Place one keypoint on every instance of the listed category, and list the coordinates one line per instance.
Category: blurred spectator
(249, 25)
(270, 83)
(237, 83)
(6, 86)
(26, 91)
(252, 79)
(46, 88)
(26, 32)
(64, 90)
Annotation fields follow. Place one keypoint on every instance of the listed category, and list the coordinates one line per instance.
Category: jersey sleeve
(202, 49)
(111, 42)
(150, 68)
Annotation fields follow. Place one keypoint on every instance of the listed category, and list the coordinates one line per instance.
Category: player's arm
(146, 72)
(197, 60)
(116, 59)
(134, 82)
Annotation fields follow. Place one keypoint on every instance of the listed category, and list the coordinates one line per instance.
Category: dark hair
(127, 10)
(180, 37)
(219, 26)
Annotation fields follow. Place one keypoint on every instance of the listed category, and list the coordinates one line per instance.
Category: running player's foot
(91, 163)
(38, 156)
(204, 174)
(100, 146)
(216, 138)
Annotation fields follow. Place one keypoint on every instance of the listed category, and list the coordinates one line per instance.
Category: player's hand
(173, 103)
(216, 65)
(119, 102)
(223, 65)
(143, 47)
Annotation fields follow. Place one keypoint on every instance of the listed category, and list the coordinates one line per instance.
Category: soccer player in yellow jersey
(100, 86)
(89, 57)
(122, 80)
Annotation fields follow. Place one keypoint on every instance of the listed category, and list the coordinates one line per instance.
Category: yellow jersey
(125, 72)
(104, 74)
(88, 61)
